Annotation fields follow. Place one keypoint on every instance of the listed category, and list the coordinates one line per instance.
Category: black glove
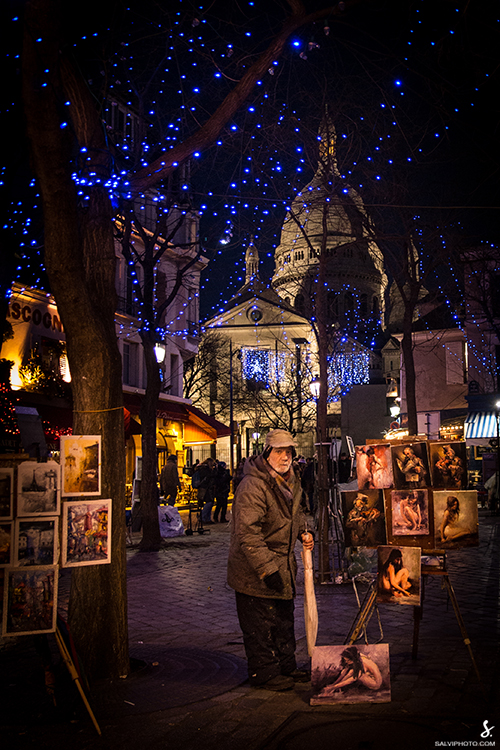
(275, 582)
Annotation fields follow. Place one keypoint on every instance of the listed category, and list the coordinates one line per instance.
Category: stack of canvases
(33, 542)
(412, 498)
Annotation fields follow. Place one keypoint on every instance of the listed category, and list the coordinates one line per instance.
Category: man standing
(267, 520)
(169, 480)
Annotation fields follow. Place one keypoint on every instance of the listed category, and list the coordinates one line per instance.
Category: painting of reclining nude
(364, 518)
(398, 580)
(410, 512)
(350, 674)
(456, 519)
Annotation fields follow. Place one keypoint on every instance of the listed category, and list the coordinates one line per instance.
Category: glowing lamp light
(160, 350)
(315, 386)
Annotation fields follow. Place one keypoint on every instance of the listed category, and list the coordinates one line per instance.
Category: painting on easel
(350, 674)
(411, 466)
(456, 519)
(37, 541)
(449, 465)
(398, 580)
(374, 467)
(410, 512)
(30, 600)
(364, 518)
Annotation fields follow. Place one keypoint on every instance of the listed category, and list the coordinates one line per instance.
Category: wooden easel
(75, 675)
(370, 600)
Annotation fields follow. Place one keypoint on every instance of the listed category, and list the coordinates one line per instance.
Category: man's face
(280, 459)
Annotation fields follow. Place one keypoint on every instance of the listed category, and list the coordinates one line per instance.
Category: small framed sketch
(350, 674)
(398, 580)
(36, 541)
(30, 600)
(38, 489)
(81, 465)
(6, 494)
(5, 544)
(86, 535)
(374, 467)
(456, 519)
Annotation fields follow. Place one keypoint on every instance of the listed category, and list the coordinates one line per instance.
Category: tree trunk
(80, 261)
(151, 537)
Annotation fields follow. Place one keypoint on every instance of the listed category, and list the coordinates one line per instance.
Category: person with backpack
(169, 480)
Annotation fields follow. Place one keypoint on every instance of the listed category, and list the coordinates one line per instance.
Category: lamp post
(323, 491)
(160, 350)
(256, 436)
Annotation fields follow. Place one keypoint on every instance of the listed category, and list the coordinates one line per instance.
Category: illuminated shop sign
(34, 315)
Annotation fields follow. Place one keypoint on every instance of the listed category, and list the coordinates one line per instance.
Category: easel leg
(74, 676)
(461, 625)
(362, 617)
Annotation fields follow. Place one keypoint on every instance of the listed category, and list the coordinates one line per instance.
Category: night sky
(412, 88)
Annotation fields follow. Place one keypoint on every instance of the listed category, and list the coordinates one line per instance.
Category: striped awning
(481, 424)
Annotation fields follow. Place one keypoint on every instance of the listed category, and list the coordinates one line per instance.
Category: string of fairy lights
(265, 155)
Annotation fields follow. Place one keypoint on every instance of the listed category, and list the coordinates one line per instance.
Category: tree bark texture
(80, 261)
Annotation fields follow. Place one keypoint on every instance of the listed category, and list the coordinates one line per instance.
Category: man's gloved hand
(275, 582)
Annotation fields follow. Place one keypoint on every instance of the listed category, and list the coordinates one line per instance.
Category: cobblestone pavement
(182, 617)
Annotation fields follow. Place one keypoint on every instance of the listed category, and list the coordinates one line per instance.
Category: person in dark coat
(222, 486)
(267, 520)
(169, 480)
(206, 489)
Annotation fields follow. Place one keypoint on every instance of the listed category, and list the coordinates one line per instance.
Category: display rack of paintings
(81, 465)
(350, 674)
(399, 574)
(5, 544)
(86, 532)
(6, 494)
(38, 489)
(374, 467)
(364, 518)
(36, 541)
(30, 600)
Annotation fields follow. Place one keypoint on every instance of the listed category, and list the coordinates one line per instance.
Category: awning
(481, 424)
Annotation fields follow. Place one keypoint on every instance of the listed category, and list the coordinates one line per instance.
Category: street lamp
(315, 386)
(160, 350)
(256, 436)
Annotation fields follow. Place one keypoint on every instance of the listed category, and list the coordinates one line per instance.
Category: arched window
(299, 303)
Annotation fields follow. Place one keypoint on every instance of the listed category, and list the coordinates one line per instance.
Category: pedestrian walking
(267, 520)
(206, 488)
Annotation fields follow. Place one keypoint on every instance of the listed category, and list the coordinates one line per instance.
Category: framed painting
(30, 600)
(410, 466)
(36, 541)
(399, 572)
(456, 519)
(410, 512)
(364, 518)
(38, 489)
(374, 467)
(6, 494)
(448, 465)
(86, 534)
(81, 465)
(5, 544)
(350, 674)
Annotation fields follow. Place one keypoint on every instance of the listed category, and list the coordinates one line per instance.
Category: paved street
(188, 688)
